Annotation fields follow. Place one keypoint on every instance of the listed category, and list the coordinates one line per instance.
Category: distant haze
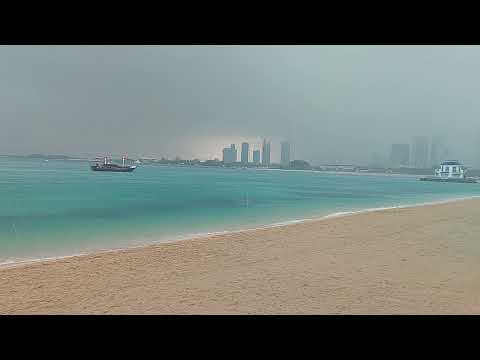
(333, 103)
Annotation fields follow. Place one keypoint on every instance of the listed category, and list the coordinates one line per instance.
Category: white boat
(450, 171)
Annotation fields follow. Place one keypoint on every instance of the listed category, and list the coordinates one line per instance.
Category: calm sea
(59, 208)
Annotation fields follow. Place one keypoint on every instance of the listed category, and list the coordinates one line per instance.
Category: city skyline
(263, 155)
(422, 152)
(433, 150)
(336, 103)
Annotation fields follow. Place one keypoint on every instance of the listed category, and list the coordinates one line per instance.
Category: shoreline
(407, 259)
(194, 236)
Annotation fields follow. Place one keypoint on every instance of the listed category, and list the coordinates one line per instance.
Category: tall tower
(285, 153)
(420, 152)
(256, 156)
(226, 155)
(229, 154)
(435, 151)
(400, 155)
(265, 153)
(244, 155)
(233, 153)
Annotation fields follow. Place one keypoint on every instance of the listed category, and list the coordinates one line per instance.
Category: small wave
(14, 263)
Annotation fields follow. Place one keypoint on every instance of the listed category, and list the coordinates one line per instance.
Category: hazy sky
(334, 103)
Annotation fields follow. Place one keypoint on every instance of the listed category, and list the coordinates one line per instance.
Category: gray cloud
(335, 103)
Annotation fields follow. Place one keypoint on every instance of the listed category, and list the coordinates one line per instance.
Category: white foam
(14, 263)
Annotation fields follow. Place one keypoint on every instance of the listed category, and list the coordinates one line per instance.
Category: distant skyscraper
(400, 155)
(230, 154)
(233, 152)
(244, 155)
(266, 153)
(285, 153)
(420, 152)
(256, 156)
(226, 155)
(435, 151)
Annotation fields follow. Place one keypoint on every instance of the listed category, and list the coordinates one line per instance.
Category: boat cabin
(450, 169)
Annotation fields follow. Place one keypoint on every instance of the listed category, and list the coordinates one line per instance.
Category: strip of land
(420, 260)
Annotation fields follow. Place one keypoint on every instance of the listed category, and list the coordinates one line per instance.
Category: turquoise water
(61, 207)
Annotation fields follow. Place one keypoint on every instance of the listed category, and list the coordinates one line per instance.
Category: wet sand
(420, 260)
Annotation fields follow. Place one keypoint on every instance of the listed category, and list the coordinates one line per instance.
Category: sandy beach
(418, 260)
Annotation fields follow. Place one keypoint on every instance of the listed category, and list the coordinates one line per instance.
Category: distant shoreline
(43, 157)
(387, 172)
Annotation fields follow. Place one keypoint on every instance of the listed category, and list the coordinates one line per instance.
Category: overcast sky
(333, 103)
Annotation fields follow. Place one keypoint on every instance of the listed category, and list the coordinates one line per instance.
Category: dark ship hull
(112, 168)
(437, 179)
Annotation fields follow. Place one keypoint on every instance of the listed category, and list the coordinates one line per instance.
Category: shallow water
(61, 207)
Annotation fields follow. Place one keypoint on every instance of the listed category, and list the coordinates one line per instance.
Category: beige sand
(400, 261)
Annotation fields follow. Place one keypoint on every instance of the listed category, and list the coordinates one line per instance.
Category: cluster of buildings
(263, 157)
(422, 154)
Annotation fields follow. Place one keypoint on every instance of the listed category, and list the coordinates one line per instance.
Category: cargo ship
(108, 166)
(450, 171)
